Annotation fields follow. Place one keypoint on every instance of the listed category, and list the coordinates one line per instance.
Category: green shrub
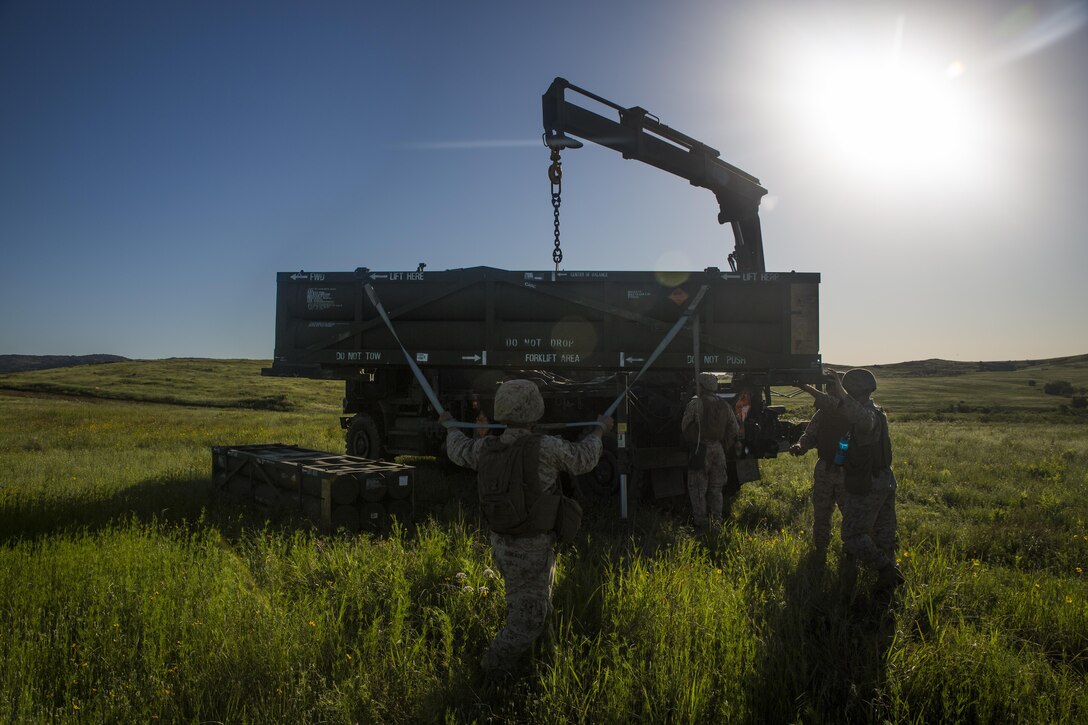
(1060, 387)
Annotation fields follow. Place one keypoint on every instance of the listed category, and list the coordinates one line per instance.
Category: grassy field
(129, 592)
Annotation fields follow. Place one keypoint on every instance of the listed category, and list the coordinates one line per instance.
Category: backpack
(865, 462)
(508, 484)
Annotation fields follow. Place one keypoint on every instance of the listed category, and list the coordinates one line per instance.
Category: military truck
(407, 343)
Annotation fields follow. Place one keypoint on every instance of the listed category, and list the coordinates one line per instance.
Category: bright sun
(892, 115)
(889, 113)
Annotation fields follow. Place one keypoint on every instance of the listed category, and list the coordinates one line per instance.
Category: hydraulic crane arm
(640, 135)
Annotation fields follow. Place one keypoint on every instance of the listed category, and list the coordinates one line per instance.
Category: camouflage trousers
(827, 492)
(527, 564)
(705, 486)
(868, 523)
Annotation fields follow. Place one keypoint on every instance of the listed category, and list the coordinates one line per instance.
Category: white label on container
(403, 481)
(359, 356)
(320, 298)
(421, 357)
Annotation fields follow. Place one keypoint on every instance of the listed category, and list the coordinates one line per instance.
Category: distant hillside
(944, 368)
(23, 363)
(986, 390)
(181, 381)
(915, 368)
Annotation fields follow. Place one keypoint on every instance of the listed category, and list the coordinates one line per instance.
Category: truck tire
(362, 437)
(604, 479)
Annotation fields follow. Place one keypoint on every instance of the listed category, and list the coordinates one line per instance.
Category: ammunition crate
(333, 490)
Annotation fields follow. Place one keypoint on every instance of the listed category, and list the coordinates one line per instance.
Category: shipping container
(585, 337)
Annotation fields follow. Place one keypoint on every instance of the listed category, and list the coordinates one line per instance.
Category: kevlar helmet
(708, 383)
(518, 402)
(859, 381)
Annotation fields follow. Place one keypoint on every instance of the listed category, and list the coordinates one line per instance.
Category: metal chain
(555, 175)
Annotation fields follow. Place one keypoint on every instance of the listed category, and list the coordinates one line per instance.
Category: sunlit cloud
(467, 145)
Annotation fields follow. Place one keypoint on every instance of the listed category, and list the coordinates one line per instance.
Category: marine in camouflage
(827, 493)
(705, 486)
(868, 520)
(868, 523)
(716, 425)
(518, 402)
(556, 454)
(827, 484)
(527, 563)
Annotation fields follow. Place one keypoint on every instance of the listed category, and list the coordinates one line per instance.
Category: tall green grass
(130, 591)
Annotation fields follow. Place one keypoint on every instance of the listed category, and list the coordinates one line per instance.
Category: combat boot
(889, 579)
(816, 561)
(493, 683)
(848, 572)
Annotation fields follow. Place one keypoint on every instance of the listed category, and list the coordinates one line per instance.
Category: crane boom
(641, 136)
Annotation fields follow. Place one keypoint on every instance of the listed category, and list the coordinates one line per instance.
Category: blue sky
(160, 162)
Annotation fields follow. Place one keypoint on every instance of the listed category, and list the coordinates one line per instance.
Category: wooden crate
(334, 490)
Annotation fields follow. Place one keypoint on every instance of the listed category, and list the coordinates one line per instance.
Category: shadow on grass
(825, 651)
(446, 495)
(185, 502)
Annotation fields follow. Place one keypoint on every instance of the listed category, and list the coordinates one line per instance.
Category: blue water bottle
(844, 446)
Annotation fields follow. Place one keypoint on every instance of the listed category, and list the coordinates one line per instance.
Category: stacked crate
(336, 491)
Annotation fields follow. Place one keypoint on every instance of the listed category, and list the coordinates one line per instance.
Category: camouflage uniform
(868, 523)
(827, 486)
(527, 563)
(868, 520)
(705, 485)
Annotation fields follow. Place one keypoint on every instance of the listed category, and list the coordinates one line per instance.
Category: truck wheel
(362, 437)
(604, 480)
